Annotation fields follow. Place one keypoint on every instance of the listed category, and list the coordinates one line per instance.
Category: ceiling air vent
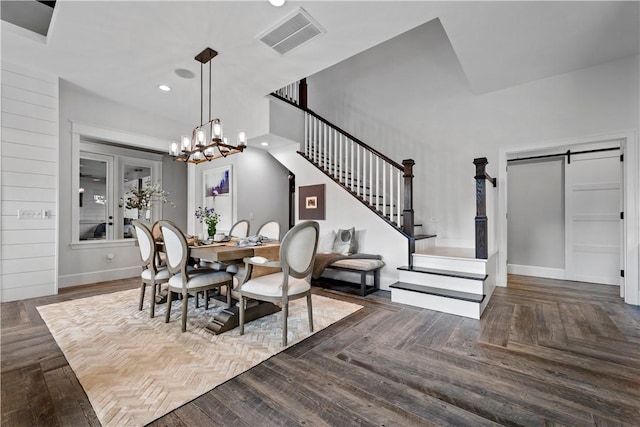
(294, 30)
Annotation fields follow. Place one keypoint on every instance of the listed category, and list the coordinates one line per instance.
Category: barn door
(593, 187)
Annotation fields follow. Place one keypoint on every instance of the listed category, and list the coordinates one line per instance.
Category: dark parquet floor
(546, 352)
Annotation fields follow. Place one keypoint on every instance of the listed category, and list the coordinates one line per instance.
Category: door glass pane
(93, 199)
(136, 179)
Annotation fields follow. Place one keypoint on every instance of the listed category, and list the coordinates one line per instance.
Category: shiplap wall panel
(22, 179)
(14, 237)
(14, 164)
(29, 110)
(17, 266)
(29, 97)
(32, 291)
(15, 121)
(27, 194)
(31, 278)
(30, 138)
(29, 180)
(14, 150)
(27, 251)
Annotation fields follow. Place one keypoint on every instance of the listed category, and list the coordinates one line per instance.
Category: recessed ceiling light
(264, 144)
(164, 88)
(276, 3)
(185, 74)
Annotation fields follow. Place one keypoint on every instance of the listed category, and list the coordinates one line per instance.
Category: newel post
(303, 93)
(482, 250)
(407, 219)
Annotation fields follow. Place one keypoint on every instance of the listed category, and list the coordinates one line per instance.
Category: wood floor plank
(523, 325)
(209, 410)
(496, 324)
(23, 401)
(13, 314)
(71, 403)
(549, 325)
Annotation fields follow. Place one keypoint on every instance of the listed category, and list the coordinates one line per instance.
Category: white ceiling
(123, 50)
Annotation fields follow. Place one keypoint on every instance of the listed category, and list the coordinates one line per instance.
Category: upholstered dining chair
(297, 255)
(183, 280)
(152, 272)
(240, 229)
(270, 230)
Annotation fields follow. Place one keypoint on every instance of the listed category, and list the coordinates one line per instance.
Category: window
(106, 174)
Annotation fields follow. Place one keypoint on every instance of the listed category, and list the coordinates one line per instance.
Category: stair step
(448, 273)
(462, 296)
(423, 236)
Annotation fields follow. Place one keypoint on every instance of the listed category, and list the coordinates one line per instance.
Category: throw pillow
(325, 243)
(346, 243)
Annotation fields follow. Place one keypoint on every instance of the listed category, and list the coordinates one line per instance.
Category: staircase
(452, 280)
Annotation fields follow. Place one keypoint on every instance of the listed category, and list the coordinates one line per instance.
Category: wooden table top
(230, 252)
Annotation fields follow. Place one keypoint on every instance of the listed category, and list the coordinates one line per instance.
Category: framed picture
(218, 194)
(311, 202)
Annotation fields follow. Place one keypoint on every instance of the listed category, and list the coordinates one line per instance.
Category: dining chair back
(240, 229)
(184, 279)
(270, 230)
(152, 272)
(297, 256)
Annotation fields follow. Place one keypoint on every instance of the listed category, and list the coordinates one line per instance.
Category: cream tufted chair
(184, 281)
(270, 230)
(152, 272)
(297, 255)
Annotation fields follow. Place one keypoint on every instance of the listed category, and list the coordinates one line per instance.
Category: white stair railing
(374, 178)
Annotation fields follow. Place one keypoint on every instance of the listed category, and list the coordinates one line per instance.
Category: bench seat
(362, 266)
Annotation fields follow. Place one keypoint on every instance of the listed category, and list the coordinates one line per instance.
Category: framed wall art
(311, 202)
(218, 194)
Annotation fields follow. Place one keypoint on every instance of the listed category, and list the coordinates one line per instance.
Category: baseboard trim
(97, 276)
(531, 270)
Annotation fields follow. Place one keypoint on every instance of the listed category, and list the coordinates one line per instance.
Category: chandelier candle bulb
(173, 151)
(186, 142)
(242, 139)
(217, 130)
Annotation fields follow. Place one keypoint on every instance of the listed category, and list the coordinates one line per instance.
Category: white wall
(28, 181)
(536, 217)
(409, 98)
(342, 210)
(90, 264)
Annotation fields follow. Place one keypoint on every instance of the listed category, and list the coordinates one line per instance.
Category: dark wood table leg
(229, 318)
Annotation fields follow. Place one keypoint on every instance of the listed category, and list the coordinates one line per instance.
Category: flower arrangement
(143, 199)
(210, 217)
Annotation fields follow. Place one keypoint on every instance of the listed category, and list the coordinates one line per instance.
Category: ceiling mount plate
(206, 55)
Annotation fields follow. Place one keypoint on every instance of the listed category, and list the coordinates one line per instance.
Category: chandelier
(206, 142)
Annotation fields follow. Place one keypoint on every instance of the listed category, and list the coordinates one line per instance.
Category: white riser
(423, 244)
(437, 303)
(463, 265)
(442, 282)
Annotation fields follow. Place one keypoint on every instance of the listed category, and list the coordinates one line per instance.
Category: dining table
(233, 252)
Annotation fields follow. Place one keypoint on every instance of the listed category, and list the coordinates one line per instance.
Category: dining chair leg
(241, 320)
(285, 314)
(206, 299)
(153, 300)
(310, 313)
(185, 303)
(229, 286)
(169, 298)
(142, 288)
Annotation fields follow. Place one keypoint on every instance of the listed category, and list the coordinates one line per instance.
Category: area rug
(135, 369)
